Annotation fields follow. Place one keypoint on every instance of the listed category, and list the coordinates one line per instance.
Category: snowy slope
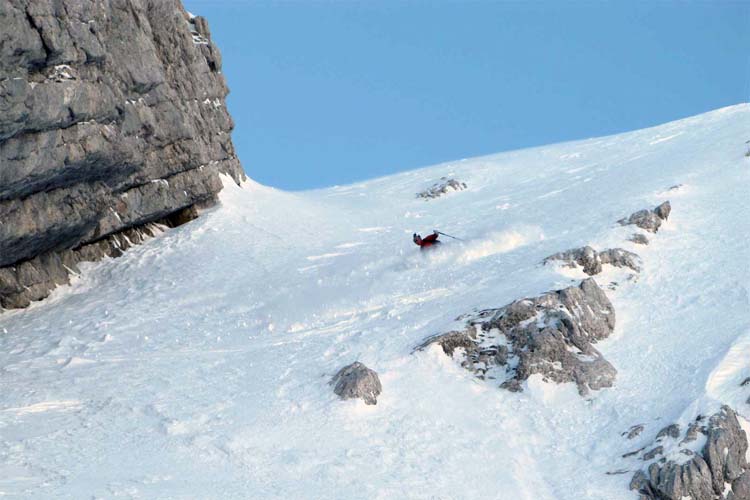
(196, 365)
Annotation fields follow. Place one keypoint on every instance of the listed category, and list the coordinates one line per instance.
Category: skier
(427, 241)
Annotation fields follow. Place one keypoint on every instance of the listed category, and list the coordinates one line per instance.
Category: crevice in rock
(47, 49)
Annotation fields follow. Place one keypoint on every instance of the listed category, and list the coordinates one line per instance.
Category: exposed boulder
(586, 257)
(357, 381)
(113, 118)
(718, 470)
(663, 210)
(638, 239)
(620, 258)
(440, 188)
(672, 431)
(649, 220)
(591, 261)
(550, 335)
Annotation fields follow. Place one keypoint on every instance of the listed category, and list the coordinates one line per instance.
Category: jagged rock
(692, 433)
(650, 220)
(638, 239)
(550, 335)
(740, 488)
(672, 431)
(620, 258)
(451, 341)
(639, 481)
(586, 257)
(512, 385)
(704, 476)
(440, 188)
(592, 261)
(633, 453)
(357, 381)
(112, 118)
(634, 431)
(617, 472)
(650, 455)
(663, 210)
(645, 219)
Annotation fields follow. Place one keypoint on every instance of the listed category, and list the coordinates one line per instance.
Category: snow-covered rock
(550, 335)
(639, 239)
(718, 470)
(591, 261)
(634, 431)
(440, 188)
(663, 210)
(650, 220)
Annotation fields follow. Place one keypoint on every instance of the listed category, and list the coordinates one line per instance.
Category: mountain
(198, 365)
(112, 118)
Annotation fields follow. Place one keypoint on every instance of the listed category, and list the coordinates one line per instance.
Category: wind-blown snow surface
(196, 365)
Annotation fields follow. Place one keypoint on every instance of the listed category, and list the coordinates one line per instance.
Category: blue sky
(326, 93)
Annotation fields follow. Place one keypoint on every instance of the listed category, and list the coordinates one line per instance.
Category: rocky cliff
(112, 118)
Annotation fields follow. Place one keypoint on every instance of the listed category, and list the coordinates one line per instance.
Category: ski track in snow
(196, 365)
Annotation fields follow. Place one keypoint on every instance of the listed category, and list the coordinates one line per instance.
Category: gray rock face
(663, 210)
(672, 431)
(357, 381)
(586, 257)
(112, 117)
(620, 258)
(638, 239)
(634, 431)
(551, 335)
(650, 220)
(440, 188)
(721, 461)
(592, 261)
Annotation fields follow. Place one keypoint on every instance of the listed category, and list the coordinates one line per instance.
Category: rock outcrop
(550, 335)
(717, 469)
(440, 188)
(357, 381)
(634, 431)
(112, 117)
(649, 220)
(591, 261)
(638, 239)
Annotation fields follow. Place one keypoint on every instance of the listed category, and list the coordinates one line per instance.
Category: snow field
(197, 365)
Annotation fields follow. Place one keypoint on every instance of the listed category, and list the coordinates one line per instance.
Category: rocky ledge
(550, 335)
(708, 463)
(649, 220)
(112, 118)
(591, 261)
(443, 187)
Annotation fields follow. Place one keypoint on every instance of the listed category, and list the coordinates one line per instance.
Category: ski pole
(448, 235)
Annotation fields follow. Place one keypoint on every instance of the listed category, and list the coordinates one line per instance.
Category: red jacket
(427, 240)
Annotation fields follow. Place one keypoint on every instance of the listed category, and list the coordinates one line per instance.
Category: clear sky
(327, 93)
